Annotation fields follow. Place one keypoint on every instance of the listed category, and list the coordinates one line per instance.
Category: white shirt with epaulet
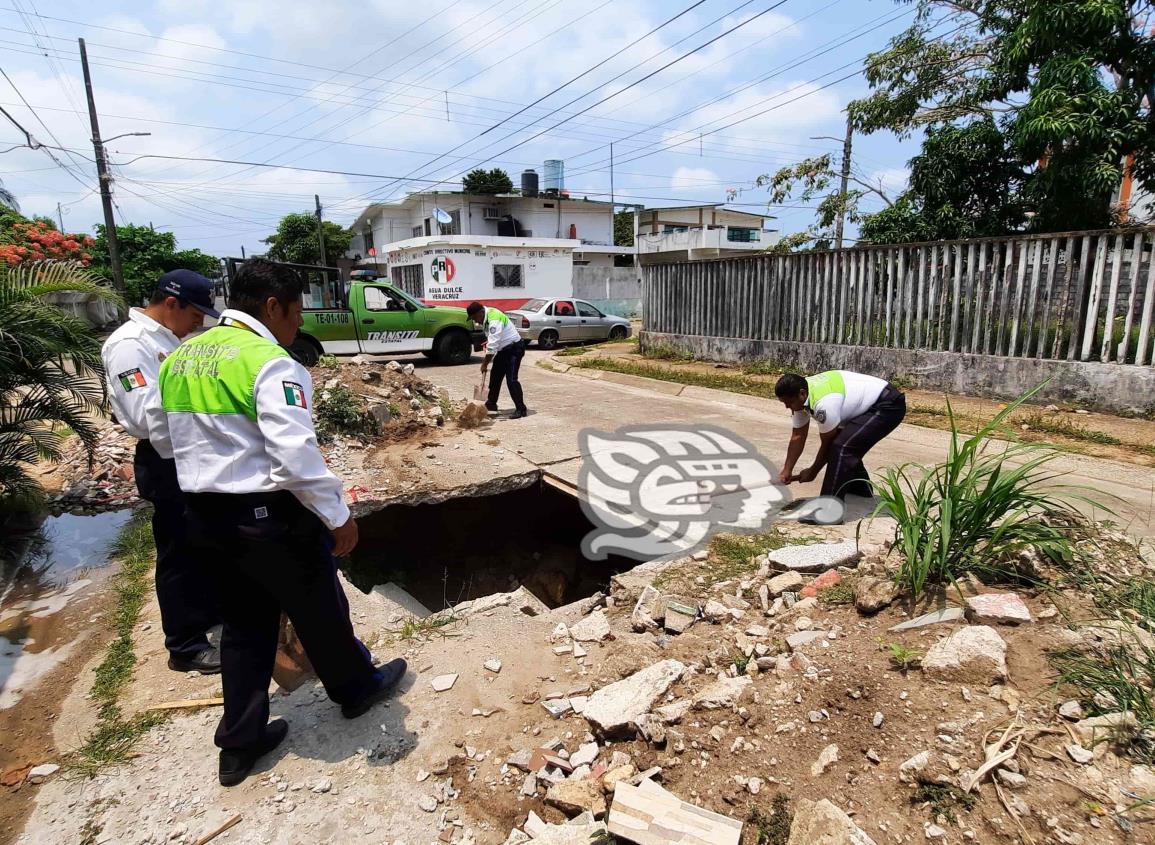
(132, 357)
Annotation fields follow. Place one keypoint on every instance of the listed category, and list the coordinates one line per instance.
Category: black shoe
(391, 673)
(491, 407)
(519, 413)
(234, 766)
(206, 661)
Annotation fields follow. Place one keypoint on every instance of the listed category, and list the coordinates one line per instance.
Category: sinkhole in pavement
(465, 548)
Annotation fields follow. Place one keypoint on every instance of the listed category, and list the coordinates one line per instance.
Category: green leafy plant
(329, 362)
(902, 658)
(772, 829)
(943, 799)
(978, 508)
(482, 181)
(295, 240)
(50, 368)
(663, 351)
(341, 411)
(840, 593)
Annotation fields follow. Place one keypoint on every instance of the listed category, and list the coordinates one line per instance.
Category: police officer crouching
(264, 510)
(132, 357)
(504, 348)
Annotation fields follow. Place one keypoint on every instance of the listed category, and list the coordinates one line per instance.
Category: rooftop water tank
(554, 175)
(529, 183)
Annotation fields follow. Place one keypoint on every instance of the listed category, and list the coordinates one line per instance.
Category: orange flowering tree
(38, 240)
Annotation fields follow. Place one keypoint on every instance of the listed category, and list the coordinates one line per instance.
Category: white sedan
(549, 322)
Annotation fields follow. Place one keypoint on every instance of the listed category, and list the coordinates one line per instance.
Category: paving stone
(815, 557)
(947, 614)
(997, 608)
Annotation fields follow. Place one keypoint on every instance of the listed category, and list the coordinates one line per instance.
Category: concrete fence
(1078, 296)
(615, 290)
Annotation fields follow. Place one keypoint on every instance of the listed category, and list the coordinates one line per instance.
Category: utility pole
(242, 252)
(612, 175)
(846, 139)
(320, 230)
(105, 178)
(60, 215)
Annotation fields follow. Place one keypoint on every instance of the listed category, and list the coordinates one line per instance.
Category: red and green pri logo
(132, 379)
(294, 394)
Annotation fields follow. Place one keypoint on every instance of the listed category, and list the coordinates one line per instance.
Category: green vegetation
(666, 352)
(902, 658)
(412, 627)
(840, 593)
(341, 411)
(50, 370)
(448, 411)
(768, 367)
(978, 508)
(624, 228)
(943, 800)
(482, 181)
(145, 256)
(1065, 427)
(329, 362)
(773, 829)
(719, 380)
(730, 556)
(295, 240)
(114, 737)
(740, 662)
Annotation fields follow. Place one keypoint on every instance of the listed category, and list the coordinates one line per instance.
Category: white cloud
(695, 179)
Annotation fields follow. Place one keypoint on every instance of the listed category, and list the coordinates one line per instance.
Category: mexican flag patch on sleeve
(294, 394)
(132, 379)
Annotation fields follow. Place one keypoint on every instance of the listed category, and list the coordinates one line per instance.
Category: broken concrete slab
(585, 755)
(493, 665)
(576, 796)
(998, 609)
(613, 708)
(946, 614)
(650, 815)
(802, 639)
(570, 834)
(521, 600)
(975, 655)
(649, 611)
(592, 629)
(679, 616)
(443, 683)
(815, 557)
(786, 582)
(396, 595)
(822, 823)
(726, 692)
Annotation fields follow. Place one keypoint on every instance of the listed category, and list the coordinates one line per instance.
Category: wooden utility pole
(845, 182)
(320, 230)
(105, 179)
(60, 216)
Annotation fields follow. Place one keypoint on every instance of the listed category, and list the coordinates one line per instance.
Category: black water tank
(529, 183)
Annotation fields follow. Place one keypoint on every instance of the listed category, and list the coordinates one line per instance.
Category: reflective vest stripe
(822, 385)
(216, 372)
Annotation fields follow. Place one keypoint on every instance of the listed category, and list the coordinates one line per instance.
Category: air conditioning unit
(491, 212)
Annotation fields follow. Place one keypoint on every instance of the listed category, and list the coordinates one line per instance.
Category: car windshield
(533, 305)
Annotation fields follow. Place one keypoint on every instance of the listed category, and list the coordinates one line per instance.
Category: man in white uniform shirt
(853, 412)
(132, 358)
(504, 349)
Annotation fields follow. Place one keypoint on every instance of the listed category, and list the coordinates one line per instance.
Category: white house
(590, 223)
(697, 232)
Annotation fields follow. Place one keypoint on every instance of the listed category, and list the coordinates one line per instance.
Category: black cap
(189, 287)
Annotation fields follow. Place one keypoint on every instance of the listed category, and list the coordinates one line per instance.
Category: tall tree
(295, 240)
(1068, 82)
(481, 181)
(624, 228)
(145, 256)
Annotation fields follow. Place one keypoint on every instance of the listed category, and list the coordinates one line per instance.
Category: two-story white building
(699, 232)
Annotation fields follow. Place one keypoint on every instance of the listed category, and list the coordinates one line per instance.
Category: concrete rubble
(997, 609)
(823, 823)
(975, 655)
(816, 557)
(614, 708)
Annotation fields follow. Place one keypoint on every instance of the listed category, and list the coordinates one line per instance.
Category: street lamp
(125, 135)
(106, 200)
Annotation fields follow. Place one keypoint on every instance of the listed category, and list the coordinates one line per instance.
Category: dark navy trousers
(505, 366)
(269, 553)
(845, 471)
(184, 589)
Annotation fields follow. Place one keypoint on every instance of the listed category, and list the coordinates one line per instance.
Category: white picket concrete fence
(1076, 296)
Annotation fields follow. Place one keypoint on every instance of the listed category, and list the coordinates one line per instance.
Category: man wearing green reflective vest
(504, 349)
(263, 510)
(853, 412)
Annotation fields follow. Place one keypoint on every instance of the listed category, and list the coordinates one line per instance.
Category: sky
(364, 101)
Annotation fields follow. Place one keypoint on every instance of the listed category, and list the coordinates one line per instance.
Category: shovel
(479, 391)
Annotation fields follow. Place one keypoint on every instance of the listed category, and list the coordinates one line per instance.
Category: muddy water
(42, 573)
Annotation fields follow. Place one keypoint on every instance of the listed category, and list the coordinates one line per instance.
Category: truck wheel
(428, 353)
(618, 333)
(452, 347)
(305, 351)
(547, 339)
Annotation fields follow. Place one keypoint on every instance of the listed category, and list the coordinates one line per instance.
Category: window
(587, 310)
(561, 308)
(532, 305)
(410, 278)
(742, 236)
(368, 238)
(507, 275)
(455, 226)
(416, 231)
(376, 299)
(670, 229)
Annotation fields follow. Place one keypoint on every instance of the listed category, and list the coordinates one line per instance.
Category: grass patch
(413, 627)
(114, 737)
(328, 362)
(730, 556)
(341, 411)
(943, 800)
(767, 367)
(978, 508)
(773, 829)
(571, 351)
(1068, 428)
(1116, 679)
(840, 593)
(448, 410)
(662, 351)
(902, 658)
(733, 382)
